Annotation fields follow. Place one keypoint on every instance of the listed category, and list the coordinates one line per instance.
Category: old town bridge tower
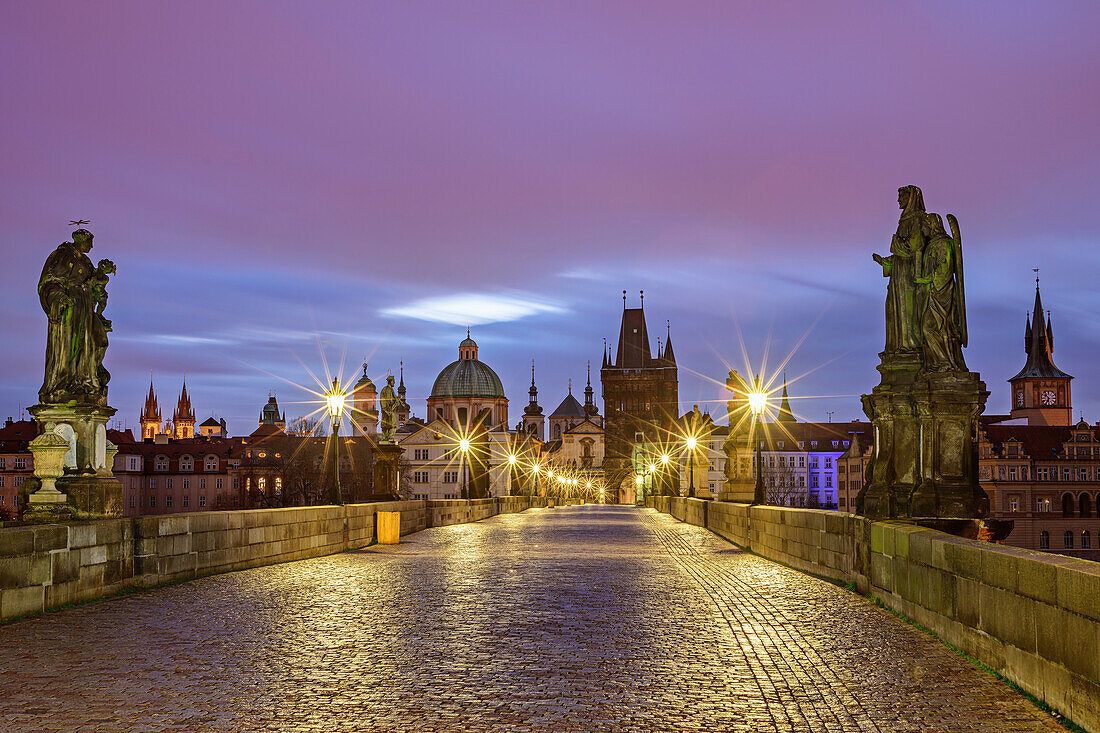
(640, 393)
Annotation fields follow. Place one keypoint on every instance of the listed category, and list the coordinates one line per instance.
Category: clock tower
(1041, 391)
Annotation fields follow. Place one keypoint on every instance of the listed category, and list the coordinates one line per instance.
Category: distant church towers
(182, 424)
(533, 422)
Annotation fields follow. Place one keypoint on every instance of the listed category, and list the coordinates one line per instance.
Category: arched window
(186, 463)
(1085, 504)
(1086, 540)
(1068, 540)
(1067, 505)
(1044, 540)
(557, 432)
(211, 463)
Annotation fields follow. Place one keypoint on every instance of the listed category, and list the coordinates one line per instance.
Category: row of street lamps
(757, 397)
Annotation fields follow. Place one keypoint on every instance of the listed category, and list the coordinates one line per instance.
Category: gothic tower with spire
(533, 421)
(404, 412)
(183, 419)
(150, 415)
(1041, 391)
(640, 396)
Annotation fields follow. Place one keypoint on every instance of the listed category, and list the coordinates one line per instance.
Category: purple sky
(276, 179)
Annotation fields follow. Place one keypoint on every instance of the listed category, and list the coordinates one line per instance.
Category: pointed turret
(590, 409)
(785, 414)
(669, 355)
(404, 412)
(150, 415)
(533, 421)
(1041, 391)
(183, 419)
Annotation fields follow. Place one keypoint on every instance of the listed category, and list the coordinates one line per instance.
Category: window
(202, 483)
(133, 501)
(202, 500)
(278, 484)
(19, 463)
(1001, 473)
(801, 482)
(1014, 503)
(828, 481)
(217, 483)
(186, 463)
(3, 463)
(802, 461)
(168, 500)
(211, 463)
(187, 483)
(813, 461)
(133, 463)
(1042, 473)
(828, 462)
(450, 477)
(813, 481)
(1012, 474)
(1086, 540)
(162, 463)
(153, 483)
(813, 443)
(236, 482)
(1067, 540)
(261, 483)
(420, 454)
(1, 481)
(420, 477)
(1065, 474)
(168, 482)
(1044, 540)
(186, 500)
(19, 480)
(1042, 505)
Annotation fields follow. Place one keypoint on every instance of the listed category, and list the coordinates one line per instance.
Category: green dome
(468, 378)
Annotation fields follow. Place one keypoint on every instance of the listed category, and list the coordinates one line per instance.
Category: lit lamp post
(511, 471)
(758, 404)
(690, 443)
(334, 403)
(463, 449)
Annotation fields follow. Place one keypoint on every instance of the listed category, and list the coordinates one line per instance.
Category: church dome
(468, 378)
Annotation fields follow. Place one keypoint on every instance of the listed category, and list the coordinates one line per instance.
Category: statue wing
(960, 293)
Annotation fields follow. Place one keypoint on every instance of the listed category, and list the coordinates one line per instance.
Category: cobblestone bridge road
(582, 619)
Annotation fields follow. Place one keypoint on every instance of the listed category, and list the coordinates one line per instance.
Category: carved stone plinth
(386, 475)
(924, 461)
(87, 478)
(740, 485)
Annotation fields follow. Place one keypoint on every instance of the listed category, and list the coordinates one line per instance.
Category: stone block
(876, 538)
(882, 572)
(1078, 586)
(1008, 617)
(1037, 575)
(172, 545)
(16, 541)
(948, 604)
(1081, 651)
(65, 566)
(968, 605)
(82, 535)
(112, 532)
(51, 537)
(1050, 633)
(93, 555)
(999, 568)
(964, 559)
(25, 570)
(175, 565)
(1083, 701)
(920, 547)
(16, 602)
(173, 525)
(255, 535)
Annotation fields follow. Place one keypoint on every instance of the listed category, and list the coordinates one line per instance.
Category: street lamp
(758, 404)
(463, 449)
(691, 442)
(334, 403)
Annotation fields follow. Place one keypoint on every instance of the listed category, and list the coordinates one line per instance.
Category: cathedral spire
(589, 405)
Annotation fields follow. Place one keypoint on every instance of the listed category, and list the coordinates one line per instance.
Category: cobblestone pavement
(579, 619)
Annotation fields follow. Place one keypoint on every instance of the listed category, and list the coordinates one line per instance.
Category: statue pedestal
(924, 462)
(86, 479)
(387, 478)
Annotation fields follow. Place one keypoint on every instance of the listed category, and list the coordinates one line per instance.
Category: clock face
(1019, 399)
(1047, 397)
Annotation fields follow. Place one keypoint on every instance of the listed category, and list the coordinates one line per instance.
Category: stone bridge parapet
(1033, 617)
(48, 566)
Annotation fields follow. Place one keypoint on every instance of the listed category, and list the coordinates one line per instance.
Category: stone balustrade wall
(1033, 617)
(47, 566)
